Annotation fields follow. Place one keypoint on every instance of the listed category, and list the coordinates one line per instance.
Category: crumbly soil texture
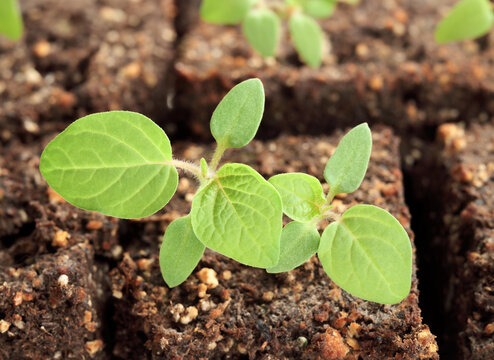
(80, 285)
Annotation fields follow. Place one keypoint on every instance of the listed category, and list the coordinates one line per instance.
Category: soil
(245, 312)
(384, 66)
(79, 285)
(98, 56)
(460, 206)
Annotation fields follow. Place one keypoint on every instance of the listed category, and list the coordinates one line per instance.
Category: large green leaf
(238, 214)
(467, 20)
(302, 195)
(225, 12)
(319, 8)
(262, 30)
(307, 38)
(237, 117)
(114, 163)
(10, 19)
(180, 252)
(298, 243)
(346, 169)
(368, 254)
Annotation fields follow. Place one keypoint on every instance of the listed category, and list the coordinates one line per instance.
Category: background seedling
(469, 19)
(10, 19)
(120, 164)
(261, 23)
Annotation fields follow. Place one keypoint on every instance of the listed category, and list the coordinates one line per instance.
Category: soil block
(227, 310)
(459, 205)
(79, 57)
(382, 65)
(52, 308)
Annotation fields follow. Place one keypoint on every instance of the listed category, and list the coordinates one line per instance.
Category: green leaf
(237, 117)
(238, 214)
(307, 38)
(302, 195)
(225, 12)
(368, 254)
(346, 169)
(10, 19)
(204, 167)
(467, 20)
(298, 243)
(319, 8)
(180, 252)
(262, 30)
(113, 162)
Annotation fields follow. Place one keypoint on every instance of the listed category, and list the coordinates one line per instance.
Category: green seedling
(120, 164)
(469, 19)
(261, 23)
(10, 19)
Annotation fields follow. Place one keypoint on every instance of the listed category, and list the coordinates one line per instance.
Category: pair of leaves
(302, 195)
(237, 214)
(366, 252)
(262, 28)
(10, 19)
(467, 20)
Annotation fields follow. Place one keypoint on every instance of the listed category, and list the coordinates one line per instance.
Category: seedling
(469, 19)
(261, 23)
(120, 164)
(10, 19)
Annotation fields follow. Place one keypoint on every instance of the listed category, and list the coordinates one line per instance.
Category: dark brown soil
(298, 315)
(383, 67)
(78, 57)
(79, 285)
(460, 208)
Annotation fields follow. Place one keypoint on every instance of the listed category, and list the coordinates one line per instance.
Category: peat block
(461, 218)
(52, 308)
(383, 66)
(78, 57)
(238, 312)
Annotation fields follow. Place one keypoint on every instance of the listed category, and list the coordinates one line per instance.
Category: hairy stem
(220, 149)
(188, 167)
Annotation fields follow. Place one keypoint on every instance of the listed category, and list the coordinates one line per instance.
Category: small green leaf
(180, 252)
(319, 8)
(307, 38)
(225, 12)
(298, 243)
(368, 254)
(346, 169)
(237, 117)
(204, 167)
(302, 195)
(10, 19)
(113, 162)
(467, 20)
(262, 30)
(238, 214)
